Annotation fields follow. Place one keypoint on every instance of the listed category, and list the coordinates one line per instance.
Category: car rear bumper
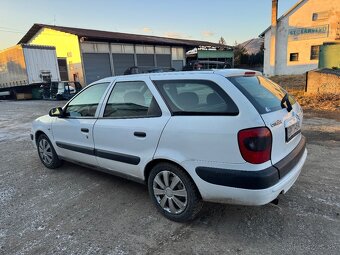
(251, 187)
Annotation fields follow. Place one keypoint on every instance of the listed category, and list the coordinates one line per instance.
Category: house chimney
(274, 12)
(273, 31)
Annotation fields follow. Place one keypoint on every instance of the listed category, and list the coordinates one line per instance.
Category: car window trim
(106, 100)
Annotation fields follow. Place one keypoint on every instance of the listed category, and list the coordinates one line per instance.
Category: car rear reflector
(255, 144)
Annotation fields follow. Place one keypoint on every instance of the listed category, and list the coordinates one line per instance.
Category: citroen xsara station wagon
(228, 136)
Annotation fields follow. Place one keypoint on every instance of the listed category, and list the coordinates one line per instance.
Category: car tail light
(255, 144)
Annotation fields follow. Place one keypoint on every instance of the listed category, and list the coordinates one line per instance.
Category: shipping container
(23, 67)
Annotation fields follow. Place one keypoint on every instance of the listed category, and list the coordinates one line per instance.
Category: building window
(315, 17)
(314, 52)
(294, 57)
(320, 16)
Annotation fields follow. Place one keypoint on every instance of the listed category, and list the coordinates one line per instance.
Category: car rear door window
(263, 93)
(131, 99)
(196, 97)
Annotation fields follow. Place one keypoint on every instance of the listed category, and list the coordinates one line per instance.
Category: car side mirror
(56, 112)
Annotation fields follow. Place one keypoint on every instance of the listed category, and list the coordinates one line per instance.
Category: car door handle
(85, 130)
(139, 134)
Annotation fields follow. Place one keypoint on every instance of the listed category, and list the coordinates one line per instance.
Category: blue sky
(235, 20)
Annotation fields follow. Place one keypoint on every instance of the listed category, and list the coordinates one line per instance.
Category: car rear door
(127, 133)
(279, 111)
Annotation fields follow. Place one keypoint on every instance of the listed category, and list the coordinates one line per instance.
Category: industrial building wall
(311, 24)
(178, 58)
(102, 59)
(67, 46)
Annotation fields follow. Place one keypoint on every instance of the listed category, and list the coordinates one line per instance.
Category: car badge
(276, 123)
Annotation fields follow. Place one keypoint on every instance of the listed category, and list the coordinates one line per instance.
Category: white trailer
(23, 67)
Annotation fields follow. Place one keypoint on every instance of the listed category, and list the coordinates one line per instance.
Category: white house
(292, 42)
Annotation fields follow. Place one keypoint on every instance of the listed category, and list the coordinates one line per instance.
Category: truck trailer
(24, 67)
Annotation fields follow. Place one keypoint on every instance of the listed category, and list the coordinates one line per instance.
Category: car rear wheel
(46, 152)
(174, 193)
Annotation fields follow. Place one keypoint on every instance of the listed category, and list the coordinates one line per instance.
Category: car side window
(196, 97)
(131, 99)
(85, 104)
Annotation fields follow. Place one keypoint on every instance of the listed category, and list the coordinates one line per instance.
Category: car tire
(46, 152)
(174, 193)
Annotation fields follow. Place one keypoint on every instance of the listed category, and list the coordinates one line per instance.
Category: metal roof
(284, 15)
(107, 36)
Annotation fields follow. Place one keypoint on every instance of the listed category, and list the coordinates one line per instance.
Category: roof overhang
(116, 37)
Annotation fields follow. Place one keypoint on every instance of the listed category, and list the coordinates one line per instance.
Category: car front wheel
(46, 152)
(174, 193)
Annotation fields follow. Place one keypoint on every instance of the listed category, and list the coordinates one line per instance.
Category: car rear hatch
(280, 113)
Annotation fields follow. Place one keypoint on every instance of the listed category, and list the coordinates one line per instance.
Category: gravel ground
(75, 210)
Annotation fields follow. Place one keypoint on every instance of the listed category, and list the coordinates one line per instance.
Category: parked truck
(25, 67)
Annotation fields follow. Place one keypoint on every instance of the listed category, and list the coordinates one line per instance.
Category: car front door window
(86, 103)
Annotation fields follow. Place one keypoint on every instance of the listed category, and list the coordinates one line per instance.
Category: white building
(292, 42)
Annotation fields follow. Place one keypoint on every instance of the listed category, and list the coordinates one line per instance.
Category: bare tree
(222, 41)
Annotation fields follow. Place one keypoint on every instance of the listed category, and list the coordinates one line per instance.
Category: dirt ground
(75, 210)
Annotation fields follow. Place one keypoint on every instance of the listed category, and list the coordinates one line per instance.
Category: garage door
(145, 60)
(121, 62)
(163, 60)
(97, 66)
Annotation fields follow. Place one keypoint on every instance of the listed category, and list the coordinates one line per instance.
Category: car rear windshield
(196, 97)
(264, 94)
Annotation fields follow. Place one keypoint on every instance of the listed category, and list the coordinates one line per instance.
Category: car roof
(224, 72)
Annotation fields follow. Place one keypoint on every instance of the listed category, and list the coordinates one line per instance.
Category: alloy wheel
(170, 192)
(45, 151)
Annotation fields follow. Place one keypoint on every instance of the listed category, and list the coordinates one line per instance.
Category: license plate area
(292, 131)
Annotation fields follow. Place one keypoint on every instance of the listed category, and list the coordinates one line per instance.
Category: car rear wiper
(285, 99)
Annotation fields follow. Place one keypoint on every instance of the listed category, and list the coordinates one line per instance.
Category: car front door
(73, 132)
(129, 127)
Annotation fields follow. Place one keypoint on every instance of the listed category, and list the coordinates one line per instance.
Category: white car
(229, 136)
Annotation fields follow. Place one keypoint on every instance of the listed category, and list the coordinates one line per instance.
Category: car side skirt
(105, 170)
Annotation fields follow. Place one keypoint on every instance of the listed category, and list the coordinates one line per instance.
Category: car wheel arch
(154, 162)
(38, 133)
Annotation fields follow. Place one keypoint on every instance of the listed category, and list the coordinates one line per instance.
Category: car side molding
(116, 156)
